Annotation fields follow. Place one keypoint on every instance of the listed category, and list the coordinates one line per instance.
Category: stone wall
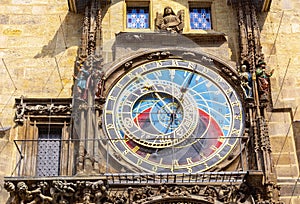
(38, 47)
(280, 39)
(223, 21)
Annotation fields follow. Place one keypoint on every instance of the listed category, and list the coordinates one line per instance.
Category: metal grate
(48, 160)
(204, 177)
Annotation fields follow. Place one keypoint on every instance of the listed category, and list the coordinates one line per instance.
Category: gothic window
(137, 15)
(48, 153)
(200, 16)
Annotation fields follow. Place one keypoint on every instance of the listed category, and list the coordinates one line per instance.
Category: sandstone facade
(38, 48)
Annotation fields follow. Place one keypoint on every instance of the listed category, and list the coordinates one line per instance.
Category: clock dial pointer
(150, 85)
(184, 88)
(186, 85)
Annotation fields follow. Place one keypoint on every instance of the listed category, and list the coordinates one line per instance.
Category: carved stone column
(87, 85)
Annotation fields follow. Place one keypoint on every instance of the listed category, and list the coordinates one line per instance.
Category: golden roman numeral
(235, 131)
(110, 126)
(189, 160)
(175, 162)
(236, 103)
(147, 156)
(139, 162)
(238, 117)
(108, 112)
(228, 91)
(113, 98)
(136, 148)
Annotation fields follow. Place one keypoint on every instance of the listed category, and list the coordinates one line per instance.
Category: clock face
(173, 116)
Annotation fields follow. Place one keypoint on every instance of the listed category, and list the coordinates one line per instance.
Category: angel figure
(169, 21)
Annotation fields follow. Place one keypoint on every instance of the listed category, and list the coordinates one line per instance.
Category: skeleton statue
(245, 77)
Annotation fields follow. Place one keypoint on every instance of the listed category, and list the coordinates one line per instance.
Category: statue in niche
(246, 78)
(89, 74)
(169, 21)
(82, 78)
(263, 80)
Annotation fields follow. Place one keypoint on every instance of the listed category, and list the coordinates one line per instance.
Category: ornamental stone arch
(177, 200)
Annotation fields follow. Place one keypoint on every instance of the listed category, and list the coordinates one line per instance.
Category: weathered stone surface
(282, 144)
(287, 171)
(7, 162)
(4, 19)
(34, 34)
(279, 129)
(285, 158)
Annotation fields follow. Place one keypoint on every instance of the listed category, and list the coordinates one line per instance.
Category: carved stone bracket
(39, 107)
(103, 191)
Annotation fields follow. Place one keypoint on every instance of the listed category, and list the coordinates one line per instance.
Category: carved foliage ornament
(40, 109)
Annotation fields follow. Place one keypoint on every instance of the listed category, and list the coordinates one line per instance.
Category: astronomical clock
(163, 123)
(172, 112)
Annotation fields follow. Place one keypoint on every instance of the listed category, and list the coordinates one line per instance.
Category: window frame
(200, 5)
(33, 113)
(50, 131)
(137, 4)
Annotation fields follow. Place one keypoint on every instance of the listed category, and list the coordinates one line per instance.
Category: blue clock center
(158, 111)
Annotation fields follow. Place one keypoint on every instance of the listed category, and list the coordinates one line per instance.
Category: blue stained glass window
(137, 17)
(200, 18)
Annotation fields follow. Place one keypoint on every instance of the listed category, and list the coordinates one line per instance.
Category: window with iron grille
(200, 16)
(137, 15)
(48, 153)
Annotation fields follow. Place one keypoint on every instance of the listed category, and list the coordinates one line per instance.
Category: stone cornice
(261, 5)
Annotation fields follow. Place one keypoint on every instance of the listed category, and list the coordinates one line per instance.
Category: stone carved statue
(63, 192)
(21, 194)
(100, 191)
(60, 191)
(225, 194)
(263, 79)
(246, 78)
(81, 78)
(169, 21)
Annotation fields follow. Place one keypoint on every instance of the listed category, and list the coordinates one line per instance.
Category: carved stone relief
(58, 191)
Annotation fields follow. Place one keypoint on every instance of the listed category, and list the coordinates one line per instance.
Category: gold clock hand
(164, 103)
(150, 85)
(183, 90)
(185, 86)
